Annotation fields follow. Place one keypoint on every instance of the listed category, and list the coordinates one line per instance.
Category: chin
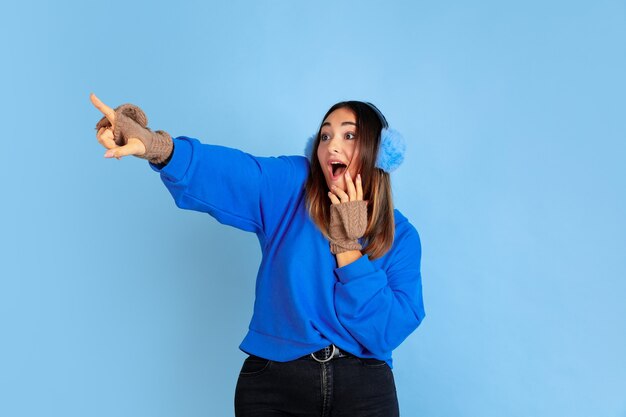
(339, 184)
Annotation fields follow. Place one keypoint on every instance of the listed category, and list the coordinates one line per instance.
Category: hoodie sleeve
(381, 308)
(237, 189)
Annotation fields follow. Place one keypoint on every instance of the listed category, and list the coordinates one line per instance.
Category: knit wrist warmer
(131, 122)
(161, 147)
(348, 222)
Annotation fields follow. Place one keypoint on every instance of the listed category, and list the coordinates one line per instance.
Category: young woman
(339, 285)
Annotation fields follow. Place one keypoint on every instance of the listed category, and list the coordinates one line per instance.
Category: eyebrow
(342, 124)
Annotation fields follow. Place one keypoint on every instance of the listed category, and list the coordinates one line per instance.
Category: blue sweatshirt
(303, 301)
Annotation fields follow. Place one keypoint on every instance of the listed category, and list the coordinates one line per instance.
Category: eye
(350, 135)
(324, 137)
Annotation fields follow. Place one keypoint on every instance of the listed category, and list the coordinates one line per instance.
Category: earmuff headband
(390, 152)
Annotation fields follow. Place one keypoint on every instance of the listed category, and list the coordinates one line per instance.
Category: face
(337, 150)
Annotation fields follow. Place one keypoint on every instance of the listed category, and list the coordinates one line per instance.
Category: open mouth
(337, 169)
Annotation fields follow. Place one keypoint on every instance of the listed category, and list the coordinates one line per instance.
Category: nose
(333, 145)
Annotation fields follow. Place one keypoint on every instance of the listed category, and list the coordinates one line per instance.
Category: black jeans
(343, 387)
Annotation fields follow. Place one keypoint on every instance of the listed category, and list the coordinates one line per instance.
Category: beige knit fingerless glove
(348, 222)
(131, 122)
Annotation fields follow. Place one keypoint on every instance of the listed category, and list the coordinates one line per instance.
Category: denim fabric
(342, 387)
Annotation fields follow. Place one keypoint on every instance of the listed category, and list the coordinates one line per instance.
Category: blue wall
(115, 302)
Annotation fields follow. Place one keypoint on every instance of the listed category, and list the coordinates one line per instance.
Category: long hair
(379, 233)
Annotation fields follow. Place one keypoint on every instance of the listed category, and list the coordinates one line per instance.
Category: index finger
(108, 112)
(350, 186)
(359, 187)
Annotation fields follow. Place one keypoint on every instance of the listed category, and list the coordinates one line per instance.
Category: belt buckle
(332, 355)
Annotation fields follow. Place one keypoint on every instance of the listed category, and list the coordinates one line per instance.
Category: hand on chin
(340, 183)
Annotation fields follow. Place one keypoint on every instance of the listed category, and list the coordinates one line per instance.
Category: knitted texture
(348, 222)
(131, 122)
(129, 110)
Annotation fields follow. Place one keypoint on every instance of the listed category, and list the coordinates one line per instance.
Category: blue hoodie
(303, 301)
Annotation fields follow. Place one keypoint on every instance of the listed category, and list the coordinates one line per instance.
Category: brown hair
(376, 182)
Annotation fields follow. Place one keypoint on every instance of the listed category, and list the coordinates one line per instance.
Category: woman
(339, 285)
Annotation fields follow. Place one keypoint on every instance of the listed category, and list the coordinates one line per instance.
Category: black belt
(329, 352)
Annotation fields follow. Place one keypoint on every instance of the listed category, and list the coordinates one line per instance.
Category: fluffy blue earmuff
(391, 150)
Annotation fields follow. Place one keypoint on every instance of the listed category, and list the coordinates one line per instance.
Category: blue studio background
(113, 302)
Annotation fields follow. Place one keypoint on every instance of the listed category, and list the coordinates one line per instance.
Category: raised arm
(238, 189)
